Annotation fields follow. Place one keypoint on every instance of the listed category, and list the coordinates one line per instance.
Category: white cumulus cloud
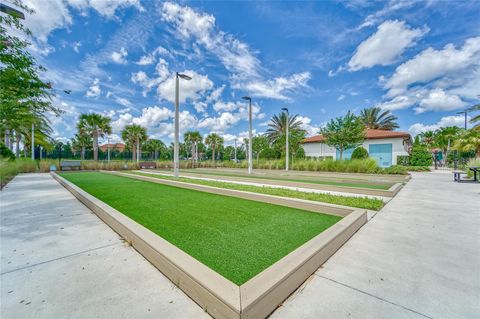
(276, 88)
(120, 56)
(431, 64)
(192, 89)
(438, 100)
(94, 89)
(453, 120)
(384, 47)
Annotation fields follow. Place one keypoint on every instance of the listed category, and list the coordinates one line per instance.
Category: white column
(250, 162)
(175, 145)
(286, 162)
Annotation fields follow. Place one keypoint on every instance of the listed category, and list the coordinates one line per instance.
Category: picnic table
(475, 170)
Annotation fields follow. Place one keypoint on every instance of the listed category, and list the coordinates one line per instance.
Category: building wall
(320, 149)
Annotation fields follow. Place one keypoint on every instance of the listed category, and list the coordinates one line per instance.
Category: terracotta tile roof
(370, 134)
(118, 146)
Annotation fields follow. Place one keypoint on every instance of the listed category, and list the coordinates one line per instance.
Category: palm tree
(375, 118)
(276, 133)
(95, 125)
(134, 135)
(469, 141)
(428, 138)
(154, 146)
(444, 137)
(476, 118)
(214, 140)
(81, 141)
(192, 138)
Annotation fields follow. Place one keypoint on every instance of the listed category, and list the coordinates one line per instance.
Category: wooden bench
(70, 165)
(151, 165)
(457, 175)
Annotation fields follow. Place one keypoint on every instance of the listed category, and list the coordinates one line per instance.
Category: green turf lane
(235, 237)
(352, 201)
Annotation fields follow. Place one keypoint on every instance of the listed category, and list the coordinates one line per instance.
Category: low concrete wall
(263, 293)
(221, 298)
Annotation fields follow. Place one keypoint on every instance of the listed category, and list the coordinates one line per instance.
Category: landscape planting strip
(343, 189)
(221, 298)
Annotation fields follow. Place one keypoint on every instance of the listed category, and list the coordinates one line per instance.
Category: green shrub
(10, 168)
(403, 160)
(110, 166)
(395, 169)
(417, 168)
(326, 164)
(359, 153)
(420, 156)
(5, 152)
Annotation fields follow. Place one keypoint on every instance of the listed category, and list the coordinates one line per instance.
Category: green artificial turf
(352, 201)
(309, 181)
(235, 237)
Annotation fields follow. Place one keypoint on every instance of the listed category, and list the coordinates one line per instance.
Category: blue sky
(421, 60)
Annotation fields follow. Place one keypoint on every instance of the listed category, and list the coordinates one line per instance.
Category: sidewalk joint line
(59, 258)
(374, 296)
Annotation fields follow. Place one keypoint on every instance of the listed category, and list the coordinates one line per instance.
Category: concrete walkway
(418, 258)
(58, 260)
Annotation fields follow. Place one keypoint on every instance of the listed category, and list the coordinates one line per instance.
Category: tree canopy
(344, 132)
(376, 118)
(25, 99)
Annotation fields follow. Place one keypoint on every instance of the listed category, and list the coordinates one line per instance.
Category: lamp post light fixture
(176, 162)
(250, 162)
(286, 139)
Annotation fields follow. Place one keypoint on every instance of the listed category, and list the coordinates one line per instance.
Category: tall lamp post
(176, 162)
(250, 162)
(465, 113)
(286, 139)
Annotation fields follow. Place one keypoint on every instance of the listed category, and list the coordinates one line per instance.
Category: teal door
(346, 155)
(382, 153)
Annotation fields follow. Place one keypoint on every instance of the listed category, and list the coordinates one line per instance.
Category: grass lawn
(300, 180)
(235, 237)
(360, 202)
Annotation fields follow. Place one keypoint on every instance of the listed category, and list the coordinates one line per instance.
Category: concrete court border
(306, 173)
(390, 192)
(218, 296)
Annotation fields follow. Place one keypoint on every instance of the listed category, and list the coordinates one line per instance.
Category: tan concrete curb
(221, 298)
